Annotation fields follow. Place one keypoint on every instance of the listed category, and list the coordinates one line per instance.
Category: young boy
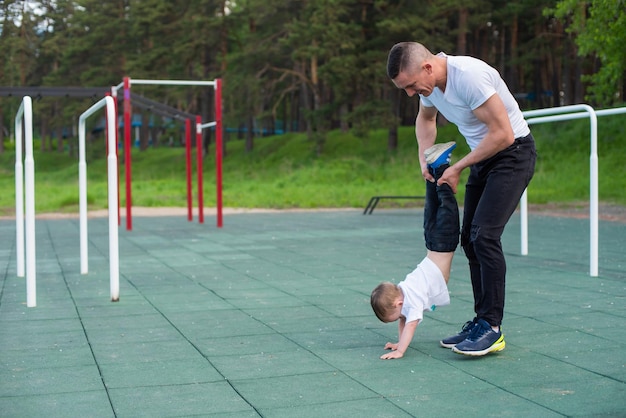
(426, 286)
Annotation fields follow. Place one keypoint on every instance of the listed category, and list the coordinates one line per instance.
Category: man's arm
(499, 136)
(426, 134)
(406, 336)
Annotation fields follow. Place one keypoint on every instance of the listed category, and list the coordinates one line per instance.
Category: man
(472, 95)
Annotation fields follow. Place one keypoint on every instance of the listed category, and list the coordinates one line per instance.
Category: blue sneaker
(439, 154)
(483, 340)
(466, 330)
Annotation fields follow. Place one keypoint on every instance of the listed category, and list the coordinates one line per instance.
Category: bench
(371, 205)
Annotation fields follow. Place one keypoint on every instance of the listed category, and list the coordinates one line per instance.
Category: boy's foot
(466, 330)
(439, 154)
(483, 340)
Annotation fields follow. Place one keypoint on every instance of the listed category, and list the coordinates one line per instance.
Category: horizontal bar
(208, 125)
(173, 82)
(557, 118)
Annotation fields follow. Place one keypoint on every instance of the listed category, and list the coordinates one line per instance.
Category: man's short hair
(404, 55)
(395, 59)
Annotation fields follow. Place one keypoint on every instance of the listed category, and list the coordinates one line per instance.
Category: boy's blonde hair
(382, 299)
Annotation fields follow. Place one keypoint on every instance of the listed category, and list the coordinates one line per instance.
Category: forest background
(311, 67)
(305, 66)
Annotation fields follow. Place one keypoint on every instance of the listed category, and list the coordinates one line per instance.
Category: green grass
(285, 172)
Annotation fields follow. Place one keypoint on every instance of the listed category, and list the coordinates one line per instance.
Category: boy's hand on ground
(392, 355)
(391, 346)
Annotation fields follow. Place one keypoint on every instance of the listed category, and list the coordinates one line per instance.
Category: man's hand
(426, 174)
(450, 177)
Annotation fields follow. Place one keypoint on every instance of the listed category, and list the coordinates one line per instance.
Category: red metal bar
(218, 149)
(188, 167)
(127, 150)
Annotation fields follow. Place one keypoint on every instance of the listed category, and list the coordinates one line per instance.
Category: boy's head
(386, 301)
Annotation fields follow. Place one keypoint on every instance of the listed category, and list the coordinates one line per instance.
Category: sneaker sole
(444, 345)
(493, 348)
(439, 148)
(465, 330)
(435, 152)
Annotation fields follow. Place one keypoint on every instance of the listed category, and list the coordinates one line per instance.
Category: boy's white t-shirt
(470, 82)
(423, 289)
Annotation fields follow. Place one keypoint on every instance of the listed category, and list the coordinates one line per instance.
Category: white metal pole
(207, 125)
(82, 198)
(594, 189)
(593, 196)
(117, 134)
(112, 190)
(29, 166)
(19, 192)
(524, 221)
(538, 116)
(608, 112)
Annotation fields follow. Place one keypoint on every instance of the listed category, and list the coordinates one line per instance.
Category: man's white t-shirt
(423, 289)
(470, 82)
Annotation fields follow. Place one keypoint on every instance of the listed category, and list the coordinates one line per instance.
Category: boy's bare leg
(441, 211)
(443, 261)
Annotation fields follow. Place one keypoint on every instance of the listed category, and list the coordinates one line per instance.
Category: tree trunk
(223, 37)
(250, 133)
(568, 82)
(144, 132)
(60, 138)
(557, 76)
(44, 133)
(623, 97)
(154, 135)
(514, 80)
(207, 110)
(579, 91)
(306, 105)
(59, 128)
(392, 138)
(343, 111)
(1, 130)
(461, 39)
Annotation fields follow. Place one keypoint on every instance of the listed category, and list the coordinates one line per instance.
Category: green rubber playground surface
(269, 316)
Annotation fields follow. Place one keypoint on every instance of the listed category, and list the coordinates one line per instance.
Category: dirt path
(607, 212)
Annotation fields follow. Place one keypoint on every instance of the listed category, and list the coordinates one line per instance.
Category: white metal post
(561, 114)
(29, 190)
(112, 193)
(19, 192)
(25, 192)
(524, 221)
(114, 264)
(82, 196)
